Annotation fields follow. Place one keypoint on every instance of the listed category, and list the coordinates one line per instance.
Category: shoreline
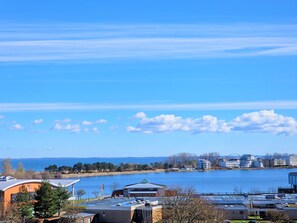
(99, 174)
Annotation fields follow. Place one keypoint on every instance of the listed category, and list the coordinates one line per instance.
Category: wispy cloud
(253, 105)
(83, 42)
(16, 127)
(38, 121)
(266, 121)
(68, 125)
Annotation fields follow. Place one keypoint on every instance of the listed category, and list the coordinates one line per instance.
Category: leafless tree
(9, 214)
(185, 207)
(6, 167)
(71, 213)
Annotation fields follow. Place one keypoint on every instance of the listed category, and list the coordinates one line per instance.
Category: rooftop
(6, 184)
(144, 184)
(111, 203)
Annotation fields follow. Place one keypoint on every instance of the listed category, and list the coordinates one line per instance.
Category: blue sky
(147, 78)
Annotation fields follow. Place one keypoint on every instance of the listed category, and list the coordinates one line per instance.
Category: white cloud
(73, 128)
(140, 115)
(16, 127)
(101, 121)
(170, 123)
(265, 121)
(38, 121)
(95, 129)
(87, 123)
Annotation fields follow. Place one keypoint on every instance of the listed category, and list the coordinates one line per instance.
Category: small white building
(203, 164)
(291, 160)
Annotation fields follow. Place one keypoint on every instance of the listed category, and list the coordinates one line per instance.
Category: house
(10, 187)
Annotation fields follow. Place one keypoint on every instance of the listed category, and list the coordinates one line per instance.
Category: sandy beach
(80, 175)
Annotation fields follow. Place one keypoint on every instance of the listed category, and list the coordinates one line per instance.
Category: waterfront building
(10, 187)
(230, 163)
(291, 160)
(246, 160)
(203, 164)
(279, 162)
(144, 189)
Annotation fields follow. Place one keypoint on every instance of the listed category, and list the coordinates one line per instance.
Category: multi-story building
(230, 163)
(203, 164)
(246, 160)
(291, 160)
(279, 162)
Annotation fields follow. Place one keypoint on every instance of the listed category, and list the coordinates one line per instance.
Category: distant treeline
(179, 160)
(104, 167)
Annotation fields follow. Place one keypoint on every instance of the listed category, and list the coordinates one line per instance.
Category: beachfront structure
(203, 164)
(291, 160)
(230, 163)
(144, 189)
(10, 187)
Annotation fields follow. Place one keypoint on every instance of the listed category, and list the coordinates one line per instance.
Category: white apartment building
(279, 162)
(291, 160)
(203, 164)
(230, 163)
(246, 160)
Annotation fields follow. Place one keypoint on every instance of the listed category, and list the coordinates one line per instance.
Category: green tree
(62, 198)
(46, 204)
(24, 204)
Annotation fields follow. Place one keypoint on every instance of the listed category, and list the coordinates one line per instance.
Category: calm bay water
(267, 180)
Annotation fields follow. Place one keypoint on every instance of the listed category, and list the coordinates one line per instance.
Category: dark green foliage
(24, 203)
(52, 168)
(49, 201)
(62, 198)
(46, 201)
